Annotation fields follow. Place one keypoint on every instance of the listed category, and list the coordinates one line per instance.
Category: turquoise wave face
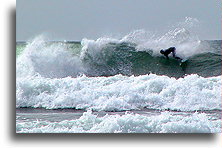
(124, 58)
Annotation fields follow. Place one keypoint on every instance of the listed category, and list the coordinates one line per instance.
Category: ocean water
(119, 85)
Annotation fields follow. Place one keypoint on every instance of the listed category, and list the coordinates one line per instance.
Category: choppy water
(149, 121)
(125, 74)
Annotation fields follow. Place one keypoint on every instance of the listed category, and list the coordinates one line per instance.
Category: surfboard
(183, 62)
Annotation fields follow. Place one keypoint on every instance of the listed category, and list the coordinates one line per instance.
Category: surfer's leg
(174, 55)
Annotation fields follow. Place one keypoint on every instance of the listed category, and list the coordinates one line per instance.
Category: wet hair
(162, 51)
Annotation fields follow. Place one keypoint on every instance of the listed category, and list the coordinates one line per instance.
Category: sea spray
(48, 60)
(103, 58)
(56, 75)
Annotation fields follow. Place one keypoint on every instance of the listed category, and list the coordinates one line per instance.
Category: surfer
(166, 52)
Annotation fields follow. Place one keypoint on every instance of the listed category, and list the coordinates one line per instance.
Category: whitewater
(119, 85)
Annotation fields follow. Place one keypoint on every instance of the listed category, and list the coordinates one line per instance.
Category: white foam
(120, 92)
(48, 60)
(43, 70)
(94, 47)
(55, 61)
(166, 122)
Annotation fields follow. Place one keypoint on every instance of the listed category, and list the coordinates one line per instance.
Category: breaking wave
(120, 74)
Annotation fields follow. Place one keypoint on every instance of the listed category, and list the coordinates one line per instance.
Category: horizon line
(76, 41)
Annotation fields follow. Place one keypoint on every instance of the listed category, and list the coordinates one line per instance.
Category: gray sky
(77, 19)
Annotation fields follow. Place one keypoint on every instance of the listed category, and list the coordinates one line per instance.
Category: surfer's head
(162, 51)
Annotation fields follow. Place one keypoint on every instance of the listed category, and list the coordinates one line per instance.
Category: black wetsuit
(166, 52)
